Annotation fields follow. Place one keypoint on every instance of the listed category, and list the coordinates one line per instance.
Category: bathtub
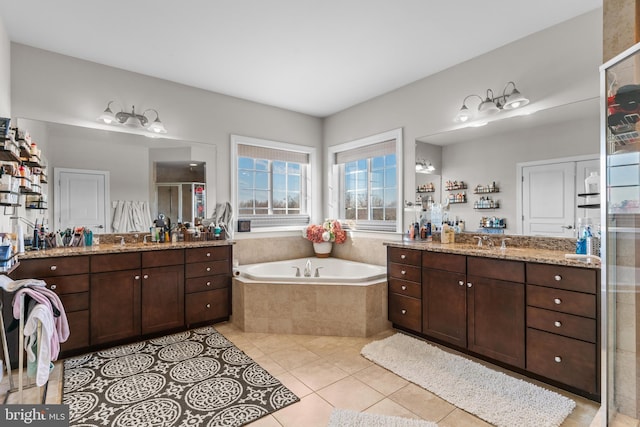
(347, 299)
(330, 271)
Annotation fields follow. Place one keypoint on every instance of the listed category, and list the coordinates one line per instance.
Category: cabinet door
(444, 306)
(115, 306)
(496, 319)
(162, 298)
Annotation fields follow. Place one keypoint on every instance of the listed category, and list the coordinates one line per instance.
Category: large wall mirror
(172, 177)
(499, 154)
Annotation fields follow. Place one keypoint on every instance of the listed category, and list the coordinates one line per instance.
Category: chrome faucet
(488, 240)
(121, 240)
(144, 239)
(307, 269)
(504, 243)
(479, 240)
(317, 272)
(297, 270)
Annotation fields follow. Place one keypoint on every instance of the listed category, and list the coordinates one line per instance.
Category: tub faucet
(297, 270)
(317, 272)
(307, 269)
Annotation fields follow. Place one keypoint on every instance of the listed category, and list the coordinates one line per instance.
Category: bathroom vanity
(530, 310)
(114, 294)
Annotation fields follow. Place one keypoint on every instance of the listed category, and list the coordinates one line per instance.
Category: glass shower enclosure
(620, 217)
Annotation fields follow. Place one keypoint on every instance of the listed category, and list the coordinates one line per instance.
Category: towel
(40, 314)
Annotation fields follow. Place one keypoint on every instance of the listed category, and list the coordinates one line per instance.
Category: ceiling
(314, 57)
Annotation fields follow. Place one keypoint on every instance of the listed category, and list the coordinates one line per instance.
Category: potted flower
(324, 235)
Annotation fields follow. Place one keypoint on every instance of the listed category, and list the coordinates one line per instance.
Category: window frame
(336, 171)
(278, 221)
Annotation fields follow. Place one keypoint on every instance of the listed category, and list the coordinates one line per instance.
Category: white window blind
(367, 151)
(258, 152)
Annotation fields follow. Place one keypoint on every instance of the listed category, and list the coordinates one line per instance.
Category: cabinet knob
(208, 268)
(460, 282)
(53, 267)
(403, 256)
(469, 285)
(146, 276)
(558, 359)
(208, 253)
(208, 305)
(403, 287)
(557, 277)
(557, 323)
(208, 283)
(557, 301)
(53, 286)
(403, 311)
(136, 277)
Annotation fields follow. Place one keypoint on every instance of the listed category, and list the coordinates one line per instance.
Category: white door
(81, 199)
(548, 201)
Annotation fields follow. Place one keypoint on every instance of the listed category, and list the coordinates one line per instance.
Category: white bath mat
(347, 418)
(493, 396)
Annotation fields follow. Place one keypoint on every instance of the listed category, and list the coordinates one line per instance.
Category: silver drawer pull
(208, 283)
(469, 285)
(136, 277)
(557, 301)
(403, 272)
(557, 323)
(403, 287)
(54, 286)
(403, 311)
(558, 359)
(557, 277)
(208, 268)
(208, 253)
(208, 305)
(460, 282)
(403, 256)
(53, 267)
(146, 276)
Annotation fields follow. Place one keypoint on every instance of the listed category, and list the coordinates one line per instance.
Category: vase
(322, 249)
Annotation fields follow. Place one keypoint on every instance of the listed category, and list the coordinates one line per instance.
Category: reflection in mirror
(180, 191)
(130, 160)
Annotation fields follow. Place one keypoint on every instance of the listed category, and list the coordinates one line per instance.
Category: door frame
(56, 194)
(519, 176)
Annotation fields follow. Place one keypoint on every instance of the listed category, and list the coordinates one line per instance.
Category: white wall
(554, 67)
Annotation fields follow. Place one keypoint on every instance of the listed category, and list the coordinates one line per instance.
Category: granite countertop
(531, 254)
(111, 248)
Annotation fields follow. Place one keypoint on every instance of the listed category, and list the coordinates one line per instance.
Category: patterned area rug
(193, 378)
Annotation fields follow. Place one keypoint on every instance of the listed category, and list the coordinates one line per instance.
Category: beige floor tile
(583, 413)
(311, 411)
(267, 421)
(459, 418)
(348, 361)
(391, 408)
(624, 421)
(271, 366)
(294, 384)
(421, 402)
(271, 343)
(319, 374)
(294, 357)
(350, 393)
(386, 382)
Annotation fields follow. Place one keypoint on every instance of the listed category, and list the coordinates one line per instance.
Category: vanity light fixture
(132, 119)
(423, 167)
(491, 104)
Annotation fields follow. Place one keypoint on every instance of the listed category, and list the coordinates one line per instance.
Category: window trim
(334, 184)
(311, 173)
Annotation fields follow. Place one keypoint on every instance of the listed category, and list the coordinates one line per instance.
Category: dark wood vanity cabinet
(444, 303)
(405, 289)
(208, 284)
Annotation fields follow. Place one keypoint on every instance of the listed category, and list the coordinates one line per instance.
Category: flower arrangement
(329, 231)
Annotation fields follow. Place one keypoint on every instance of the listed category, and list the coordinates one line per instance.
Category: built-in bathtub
(346, 299)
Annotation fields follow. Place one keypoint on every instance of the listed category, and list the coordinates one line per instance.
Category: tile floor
(327, 372)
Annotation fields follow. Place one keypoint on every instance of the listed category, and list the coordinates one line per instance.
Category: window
(272, 182)
(366, 181)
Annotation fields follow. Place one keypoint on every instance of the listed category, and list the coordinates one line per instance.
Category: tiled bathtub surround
(338, 310)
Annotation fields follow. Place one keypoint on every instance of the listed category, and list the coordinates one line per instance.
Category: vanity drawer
(562, 277)
(448, 262)
(404, 256)
(199, 269)
(405, 311)
(68, 284)
(560, 300)
(209, 253)
(562, 359)
(205, 306)
(51, 267)
(510, 271)
(404, 272)
(75, 302)
(408, 289)
(206, 283)
(571, 326)
(115, 262)
(162, 258)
